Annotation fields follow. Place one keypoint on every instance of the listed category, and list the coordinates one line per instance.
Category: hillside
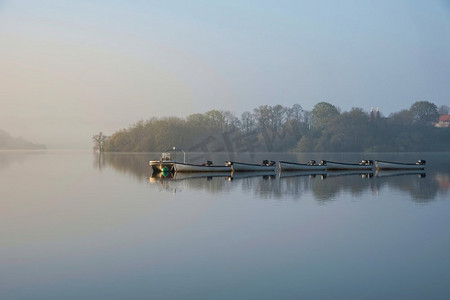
(9, 142)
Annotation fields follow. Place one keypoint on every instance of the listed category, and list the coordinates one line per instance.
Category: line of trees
(280, 128)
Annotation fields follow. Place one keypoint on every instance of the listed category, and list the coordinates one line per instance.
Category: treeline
(279, 128)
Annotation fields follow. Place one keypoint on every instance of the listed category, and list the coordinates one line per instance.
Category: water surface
(76, 225)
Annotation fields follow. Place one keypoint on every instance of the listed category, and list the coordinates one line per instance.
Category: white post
(184, 154)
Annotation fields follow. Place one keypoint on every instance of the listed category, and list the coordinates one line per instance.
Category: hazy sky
(69, 69)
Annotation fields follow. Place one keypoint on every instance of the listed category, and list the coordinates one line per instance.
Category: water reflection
(9, 157)
(416, 184)
(132, 164)
(443, 180)
(264, 175)
(392, 173)
(334, 183)
(177, 182)
(323, 186)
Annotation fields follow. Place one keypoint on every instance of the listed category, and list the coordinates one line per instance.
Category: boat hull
(310, 173)
(244, 167)
(386, 165)
(290, 166)
(160, 166)
(182, 167)
(179, 176)
(346, 166)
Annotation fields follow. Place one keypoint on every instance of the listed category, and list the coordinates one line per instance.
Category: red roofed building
(444, 121)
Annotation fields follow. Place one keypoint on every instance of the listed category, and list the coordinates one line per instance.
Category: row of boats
(166, 164)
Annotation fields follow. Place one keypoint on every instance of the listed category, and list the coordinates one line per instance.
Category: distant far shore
(7, 142)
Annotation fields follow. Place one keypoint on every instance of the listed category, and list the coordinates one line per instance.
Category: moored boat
(165, 164)
(177, 176)
(362, 165)
(207, 167)
(389, 165)
(246, 167)
(312, 165)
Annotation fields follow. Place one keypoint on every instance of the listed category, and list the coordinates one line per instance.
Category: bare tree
(99, 141)
(443, 110)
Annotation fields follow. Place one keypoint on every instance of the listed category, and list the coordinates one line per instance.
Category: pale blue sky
(71, 68)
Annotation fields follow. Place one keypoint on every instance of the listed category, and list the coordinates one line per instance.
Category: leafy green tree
(323, 114)
(424, 112)
(197, 120)
(215, 119)
(349, 132)
(403, 117)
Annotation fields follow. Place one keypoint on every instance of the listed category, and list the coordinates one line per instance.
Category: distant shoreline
(7, 142)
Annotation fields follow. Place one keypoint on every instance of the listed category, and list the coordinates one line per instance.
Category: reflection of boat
(245, 167)
(362, 173)
(388, 165)
(391, 173)
(166, 164)
(264, 174)
(183, 176)
(363, 165)
(301, 173)
(311, 165)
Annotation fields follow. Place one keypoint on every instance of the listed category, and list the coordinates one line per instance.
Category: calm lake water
(76, 225)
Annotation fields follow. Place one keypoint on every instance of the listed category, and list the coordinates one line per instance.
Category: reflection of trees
(133, 164)
(297, 186)
(421, 188)
(335, 183)
(264, 186)
(328, 187)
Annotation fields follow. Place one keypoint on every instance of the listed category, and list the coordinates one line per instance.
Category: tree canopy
(323, 113)
(424, 112)
(281, 128)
